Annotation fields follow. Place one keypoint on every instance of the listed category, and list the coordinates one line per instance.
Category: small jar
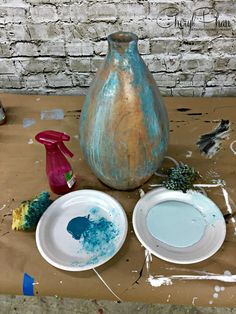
(2, 114)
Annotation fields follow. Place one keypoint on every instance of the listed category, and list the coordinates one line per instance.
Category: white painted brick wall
(43, 13)
(55, 47)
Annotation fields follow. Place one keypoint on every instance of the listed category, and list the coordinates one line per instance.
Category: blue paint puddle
(96, 235)
(77, 226)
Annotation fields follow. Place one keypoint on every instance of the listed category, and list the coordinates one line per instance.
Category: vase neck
(122, 42)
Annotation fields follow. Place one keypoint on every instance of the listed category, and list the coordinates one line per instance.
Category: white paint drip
(189, 154)
(226, 197)
(202, 272)
(231, 146)
(193, 301)
(229, 208)
(141, 193)
(30, 141)
(210, 302)
(215, 185)
(157, 281)
(104, 282)
(217, 288)
(227, 273)
(168, 299)
(208, 185)
(4, 205)
(148, 258)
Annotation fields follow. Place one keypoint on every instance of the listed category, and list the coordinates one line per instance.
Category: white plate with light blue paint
(182, 228)
(81, 230)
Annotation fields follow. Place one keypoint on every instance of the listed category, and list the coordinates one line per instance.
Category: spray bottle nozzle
(50, 138)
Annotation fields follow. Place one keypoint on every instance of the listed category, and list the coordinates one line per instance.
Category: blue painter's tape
(28, 122)
(28, 285)
(54, 114)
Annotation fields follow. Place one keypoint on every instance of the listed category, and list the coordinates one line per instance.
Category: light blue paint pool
(176, 223)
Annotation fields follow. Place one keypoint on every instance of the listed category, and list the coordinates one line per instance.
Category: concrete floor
(34, 305)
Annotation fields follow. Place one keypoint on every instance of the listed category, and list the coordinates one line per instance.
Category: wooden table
(23, 176)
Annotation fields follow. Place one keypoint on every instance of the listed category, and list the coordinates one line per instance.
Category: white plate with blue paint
(182, 228)
(81, 230)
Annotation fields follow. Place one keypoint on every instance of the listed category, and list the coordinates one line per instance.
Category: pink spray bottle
(58, 169)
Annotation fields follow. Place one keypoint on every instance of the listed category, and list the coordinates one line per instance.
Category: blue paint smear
(28, 285)
(54, 114)
(28, 122)
(96, 236)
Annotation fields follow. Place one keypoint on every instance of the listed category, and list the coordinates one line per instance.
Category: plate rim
(137, 233)
(79, 268)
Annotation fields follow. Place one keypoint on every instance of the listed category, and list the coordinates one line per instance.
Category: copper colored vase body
(124, 125)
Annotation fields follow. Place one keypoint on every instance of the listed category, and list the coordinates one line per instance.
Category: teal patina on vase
(124, 125)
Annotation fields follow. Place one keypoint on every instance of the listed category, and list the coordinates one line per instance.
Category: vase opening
(122, 40)
(122, 37)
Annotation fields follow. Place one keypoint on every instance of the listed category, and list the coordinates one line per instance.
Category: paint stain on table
(210, 143)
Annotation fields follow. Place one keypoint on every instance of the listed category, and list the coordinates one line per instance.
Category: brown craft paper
(23, 176)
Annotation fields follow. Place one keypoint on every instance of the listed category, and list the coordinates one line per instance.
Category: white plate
(182, 228)
(99, 229)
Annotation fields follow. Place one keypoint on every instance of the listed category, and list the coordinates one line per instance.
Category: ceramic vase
(124, 125)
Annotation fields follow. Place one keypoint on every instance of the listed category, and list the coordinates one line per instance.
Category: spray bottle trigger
(64, 149)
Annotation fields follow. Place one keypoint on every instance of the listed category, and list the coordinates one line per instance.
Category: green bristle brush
(27, 215)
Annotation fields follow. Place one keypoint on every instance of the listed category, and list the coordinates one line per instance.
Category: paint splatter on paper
(158, 281)
(183, 109)
(194, 299)
(189, 154)
(96, 236)
(168, 299)
(210, 143)
(4, 205)
(232, 147)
